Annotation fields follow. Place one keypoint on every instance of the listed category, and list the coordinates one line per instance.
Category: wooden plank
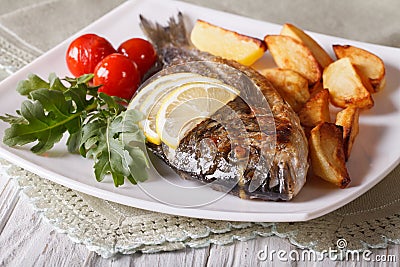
(243, 253)
(186, 257)
(238, 254)
(4, 180)
(9, 195)
(255, 252)
(27, 240)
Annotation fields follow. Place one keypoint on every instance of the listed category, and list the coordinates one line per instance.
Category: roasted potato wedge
(327, 154)
(289, 53)
(227, 44)
(346, 86)
(348, 119)
(316, 110)
(292, 86)
(367, 63)
(316, 88)
(319, 53)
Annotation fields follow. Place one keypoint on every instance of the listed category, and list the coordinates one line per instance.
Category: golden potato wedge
(288, 53)
(348, 119)
(378, 86)
(292, 86)
(368, 64)
(345, 85)
(316, 110)
(318, 86)
(227, 44)
(319, 53)
(327, 154)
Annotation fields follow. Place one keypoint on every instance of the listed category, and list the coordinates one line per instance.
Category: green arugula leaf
(54, 103)
(113, 103)
(46, 127)
(55, 83)
(84, 79)
(41, 127)
(78, 96)
(117, 146)
(133, 141)
(92, 133)
(12, 119)
(33, 83)
(74, 141)
(99, 125)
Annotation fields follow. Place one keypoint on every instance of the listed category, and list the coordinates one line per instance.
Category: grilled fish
(276, 149)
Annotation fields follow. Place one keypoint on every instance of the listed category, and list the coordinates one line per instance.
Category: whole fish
(274, 147)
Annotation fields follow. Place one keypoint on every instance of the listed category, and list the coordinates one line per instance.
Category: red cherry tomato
(118, 76)
(141, 52)
(85, 52)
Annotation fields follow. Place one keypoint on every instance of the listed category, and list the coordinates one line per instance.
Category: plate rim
(188, 212)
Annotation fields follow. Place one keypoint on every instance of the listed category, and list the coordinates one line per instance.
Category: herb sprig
(99, 126)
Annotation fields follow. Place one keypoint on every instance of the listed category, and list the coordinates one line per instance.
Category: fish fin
(174, 33)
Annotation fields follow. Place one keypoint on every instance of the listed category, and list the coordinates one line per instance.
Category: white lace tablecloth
(373, 220)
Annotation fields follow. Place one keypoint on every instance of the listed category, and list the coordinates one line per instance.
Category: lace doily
(108, 228)
(12, 57)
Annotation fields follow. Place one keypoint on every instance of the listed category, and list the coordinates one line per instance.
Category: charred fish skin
(282, 179)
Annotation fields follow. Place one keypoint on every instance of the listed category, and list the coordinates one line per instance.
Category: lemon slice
(152, 89)
(182, 109)
(156, 85)
(149, 99)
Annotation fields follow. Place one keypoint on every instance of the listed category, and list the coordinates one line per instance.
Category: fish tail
(173, 34)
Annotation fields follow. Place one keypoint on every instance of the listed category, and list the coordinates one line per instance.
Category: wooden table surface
(26, 239)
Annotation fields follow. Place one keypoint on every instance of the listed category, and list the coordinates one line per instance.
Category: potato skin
(348, 119)
(289, 53)
(227, 44)
(292, 86)
(327, 154)
(368, 64)
(316, 110)
(319, 53)
(345, 85)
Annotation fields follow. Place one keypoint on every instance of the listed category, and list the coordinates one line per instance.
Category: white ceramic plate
(376, 151)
